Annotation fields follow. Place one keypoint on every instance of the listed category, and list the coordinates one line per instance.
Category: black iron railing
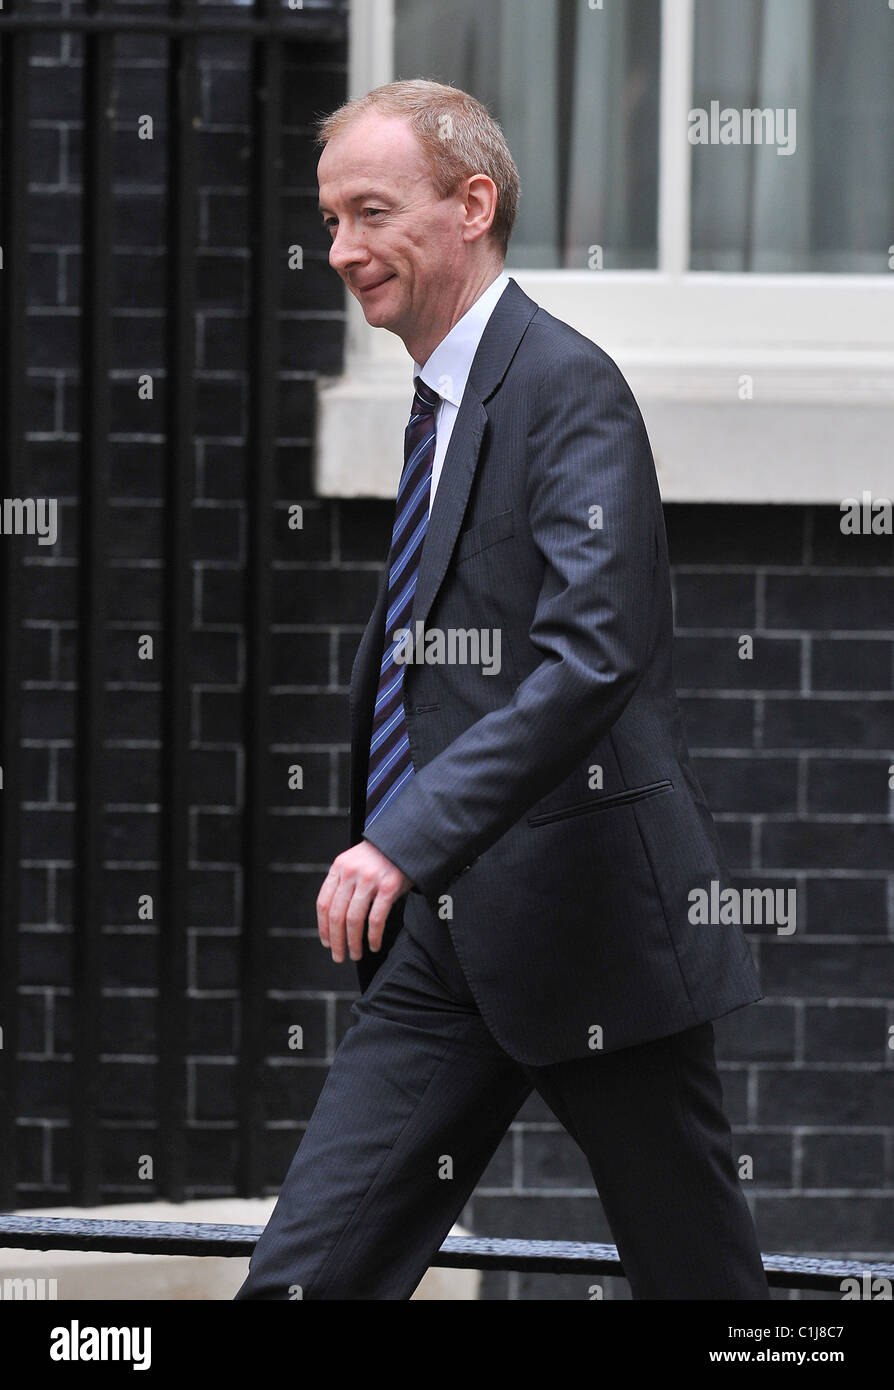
(457, 1252)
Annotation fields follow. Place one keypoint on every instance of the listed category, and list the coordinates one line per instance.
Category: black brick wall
(793, 747)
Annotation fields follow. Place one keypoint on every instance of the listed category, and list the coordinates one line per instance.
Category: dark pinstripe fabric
(416, 1102)
(568, 905)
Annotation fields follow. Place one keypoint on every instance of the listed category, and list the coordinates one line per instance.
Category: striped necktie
(390, 764)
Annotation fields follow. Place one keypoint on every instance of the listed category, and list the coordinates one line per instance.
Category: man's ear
(480, 200)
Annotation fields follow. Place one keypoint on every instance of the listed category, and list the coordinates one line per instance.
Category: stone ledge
(786, 445)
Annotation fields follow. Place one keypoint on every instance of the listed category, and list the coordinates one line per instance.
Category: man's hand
(360, 881)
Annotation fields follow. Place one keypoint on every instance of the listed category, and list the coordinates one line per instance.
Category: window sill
(816, 429)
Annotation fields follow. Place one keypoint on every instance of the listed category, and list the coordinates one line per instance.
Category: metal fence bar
(173, 918)
(457, 1252)
(266, 258)
(14, 54)
(309, 25)
(93, 534)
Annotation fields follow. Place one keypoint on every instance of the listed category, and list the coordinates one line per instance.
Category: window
(822, 199)
(730, 162)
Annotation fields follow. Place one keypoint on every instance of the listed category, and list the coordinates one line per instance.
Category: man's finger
(355, 917)
(337, 909)
(324, 899)
(378, 916)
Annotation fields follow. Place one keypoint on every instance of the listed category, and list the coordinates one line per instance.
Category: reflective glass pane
(793, 135)
(575, 89)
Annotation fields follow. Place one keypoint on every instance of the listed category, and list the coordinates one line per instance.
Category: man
(527, 832)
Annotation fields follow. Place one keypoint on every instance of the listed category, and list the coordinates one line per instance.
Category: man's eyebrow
(359, 198)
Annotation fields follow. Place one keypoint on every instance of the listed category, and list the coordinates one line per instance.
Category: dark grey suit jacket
(568, 903)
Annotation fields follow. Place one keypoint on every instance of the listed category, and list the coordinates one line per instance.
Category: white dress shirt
(447, 369)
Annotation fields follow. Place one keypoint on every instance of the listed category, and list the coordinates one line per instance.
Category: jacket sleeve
(587, 447)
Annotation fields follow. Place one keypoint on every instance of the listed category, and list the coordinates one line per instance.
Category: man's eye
(374, 212)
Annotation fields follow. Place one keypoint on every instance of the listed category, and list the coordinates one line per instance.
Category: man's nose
(346, 250)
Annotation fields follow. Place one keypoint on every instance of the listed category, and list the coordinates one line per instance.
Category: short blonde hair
(457, 134)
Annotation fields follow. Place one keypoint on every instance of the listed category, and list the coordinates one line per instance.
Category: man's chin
(380, 319)
(379, 316)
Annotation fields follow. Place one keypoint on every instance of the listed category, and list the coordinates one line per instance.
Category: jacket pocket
(484, 533)
(603, 803)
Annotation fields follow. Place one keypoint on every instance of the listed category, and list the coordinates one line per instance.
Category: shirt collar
(447, 369)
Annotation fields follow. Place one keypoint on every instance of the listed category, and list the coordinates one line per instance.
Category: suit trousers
(419, 1096)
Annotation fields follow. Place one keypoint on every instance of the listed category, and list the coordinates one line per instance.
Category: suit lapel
(499, 341)
(449, 505)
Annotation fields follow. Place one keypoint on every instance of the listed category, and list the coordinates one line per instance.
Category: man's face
(397, 246)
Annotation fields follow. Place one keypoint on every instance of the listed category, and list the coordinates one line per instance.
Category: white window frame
(811, 344)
